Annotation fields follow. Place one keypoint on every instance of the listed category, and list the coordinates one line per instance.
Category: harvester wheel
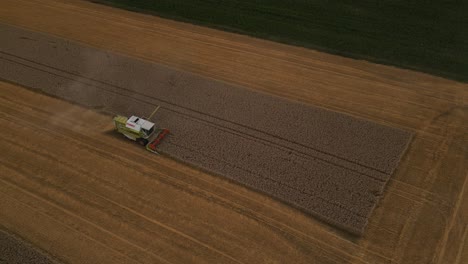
(142, 141)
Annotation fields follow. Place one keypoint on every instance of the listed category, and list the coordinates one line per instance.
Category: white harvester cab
(140, 125)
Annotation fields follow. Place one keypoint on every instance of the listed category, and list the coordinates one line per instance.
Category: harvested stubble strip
(329, 164)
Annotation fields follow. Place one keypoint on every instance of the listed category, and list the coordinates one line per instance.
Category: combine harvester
(141, 130)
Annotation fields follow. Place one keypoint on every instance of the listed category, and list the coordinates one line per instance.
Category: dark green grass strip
(428, 36)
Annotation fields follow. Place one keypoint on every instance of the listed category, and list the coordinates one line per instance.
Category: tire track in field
(272, 222)
(5, 190)
(54, 183)
(116, 63)
(319, 215)
(81, 139)
(270, 143)
(247, 212)
(272, 161)
(239, 133)
(123, 216)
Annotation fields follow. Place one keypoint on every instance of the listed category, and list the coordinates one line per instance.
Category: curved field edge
(427, 37)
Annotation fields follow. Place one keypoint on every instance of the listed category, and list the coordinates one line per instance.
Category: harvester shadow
(113, 133)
